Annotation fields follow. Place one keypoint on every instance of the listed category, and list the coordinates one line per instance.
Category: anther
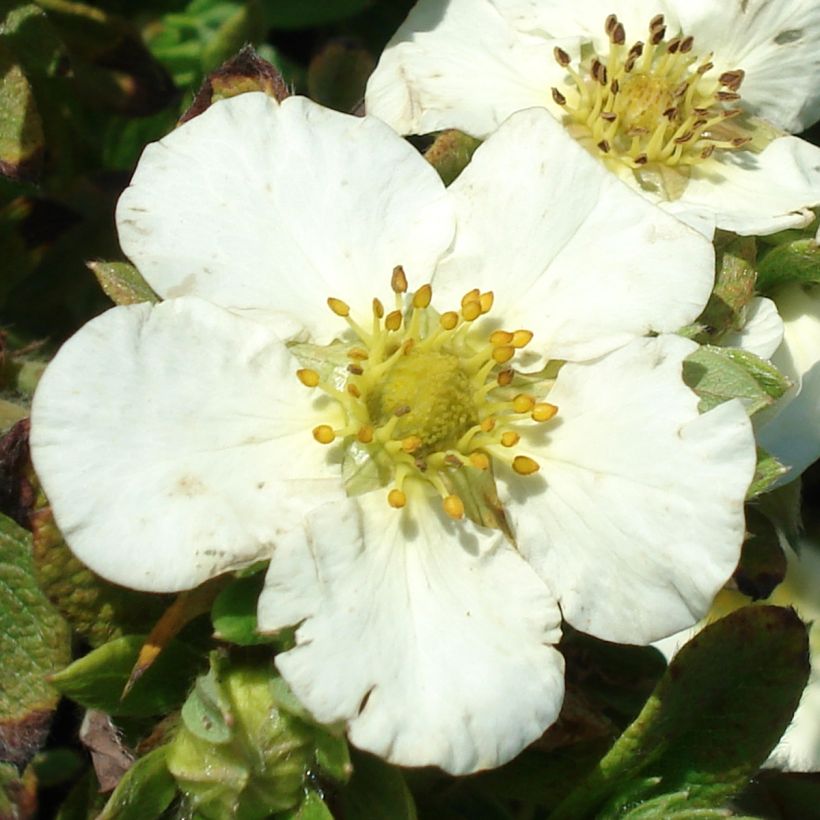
(683, 138)
(500, 337)
(686, 44)
(610, 23)
(707, 152)
(739, 142)
(604, 146)
(453, 506)
(559, 98)
(657, 35)
(396, 499)
(727, 96)
(673, 45)
(453, 461)
(357, 353)
(324, 434)
(614, 87)
(480, 460)
(422, 297)
(505, 377)
(524, 465)
(544, 411)
(488, 425)
(354, 391)
(503, 353)
(411, 444)
(656, 21)
(608, 116)
(393, 320)
(618, 35)
(471, 296)
(732, 79)
(449, 320)
(339, 307)
(378, 309)
(705, 68)
(523, 403)
(365, 434)
(510, 439)
(671, 113)
(398, 281)
(471, 311)
(561, 57)
(521, 338)
(401, 410)
(309, 378)
(641, 159)
(486, 301)
(355, 369)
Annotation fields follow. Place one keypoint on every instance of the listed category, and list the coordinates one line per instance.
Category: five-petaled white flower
(659, 90)
(181, 440)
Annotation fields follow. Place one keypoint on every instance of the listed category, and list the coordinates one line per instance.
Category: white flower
(651, 87)
(177, 441)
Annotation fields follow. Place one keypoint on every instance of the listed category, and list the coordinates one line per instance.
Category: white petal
(277, 207)
(566, 247)
(777, 44)
(763, 331)
(460, 65)
(759, 193)
(636, 517)
(793, 434)
(431, 639)
(174, 443)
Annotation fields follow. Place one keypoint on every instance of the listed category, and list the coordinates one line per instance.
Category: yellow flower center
(651, 103)
(425, 395)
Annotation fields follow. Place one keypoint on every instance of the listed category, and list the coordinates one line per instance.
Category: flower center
(649, 103)
(425, 395)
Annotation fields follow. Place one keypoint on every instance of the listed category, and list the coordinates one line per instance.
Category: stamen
(543, 411)
(422, 297)
(399, 280)
(453, 506)
(396, 499)
(324, 434)
(524, 465)
(309, 378)
(339, 307)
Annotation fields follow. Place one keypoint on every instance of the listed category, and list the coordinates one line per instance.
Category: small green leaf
(145, 790)
(234, 612)
(376, 791)
(338, 74)
(450, 153)
(122, 283)
(797, 261)
(97, 680)
(21, 129)
(767, 472)
(206, 712)
(718, 374)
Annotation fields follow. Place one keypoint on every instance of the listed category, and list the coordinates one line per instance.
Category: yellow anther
(378, 309)
(503, 353)
(324, 434)
(339, 307)
(365, 434)
(453, 506)
(521, 338)
(523, 403)
(480, 460)
(505, 377)
(471, 311)
(471, 296)
(488, 425)
(524, 465)
(358, 353)
(510, 439)
(396, 499)
(423, 296)
(449, 320)
(309, 378)
(354, 391)
(486, 301)
(501, 337)
(411, 444)
(543, 411)
(393, 320)
(407, 346)
(398, 281)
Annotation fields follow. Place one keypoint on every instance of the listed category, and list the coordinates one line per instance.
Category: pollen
(654, 103)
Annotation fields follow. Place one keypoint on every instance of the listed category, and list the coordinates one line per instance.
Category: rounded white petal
(174, 443)
(763, 331)
(777, 44)
(570, 252)
(260, 205)
(431, 638)
(460, 64)
(793, 434)
(758, 194)
(636, 517)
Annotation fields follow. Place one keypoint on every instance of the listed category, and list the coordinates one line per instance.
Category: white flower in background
(184, 439)
(658, 90)
(799, 748)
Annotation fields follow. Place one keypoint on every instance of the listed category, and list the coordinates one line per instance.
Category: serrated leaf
(34, 642)
(450, 153)
(767, 473)
(122, 283)
(234, 612)
(797, 261)
(376, 791)
(145, 790)
(21, 129)
(718, 374)
(338, 74)
(97, 680)
(722, 705)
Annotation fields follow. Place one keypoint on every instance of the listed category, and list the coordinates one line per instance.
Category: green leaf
(34, 642)
(333, 755)
(797, 261)
(145, 790)
(290, 14)
(18, 793)
(56, 766)
(450, 153)
(762, 563)
(338, 74)
(234, 612)
(21, 129)
(122, 283)
(376, 791)
(718, 374)
(722, 705)
(97, 680)
(206, 712)
(312, 808)
(767, 472)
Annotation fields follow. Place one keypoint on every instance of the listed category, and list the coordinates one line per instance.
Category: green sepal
(338, 74)
(450, 153)
(206, 712)
(762, 564)
(311, 808)
(122, 283)
(792, 262)
(768, 472)
(145, 791)
(234, 612)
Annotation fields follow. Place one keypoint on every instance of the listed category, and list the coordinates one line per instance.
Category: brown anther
(727, 96)
(608, 116)
(739, 142)
(681, 89)
(488, 425)
(561, 57)
(393, 320)
(703, 69)
(699, 124)
(685, 137)
(324, 434)
(618, 35)
(503, 353)
(604, 146)
(521, 338)
(656, 21)
(486, 301)
(524, 465)
(411, 444)
(596, 67)
(686, 44)
(339, 307)
(480, 460)
(657, 35)
(358, 353)
(523, 403)
(354, 391)
(420, 464)
(365, 434)
(673, 45)
(636, 50)
(610, 23)
(671, 113)
(510, 439)
(707, 152)
(731, 112)
(378, 309)
(630, 63)
(641, 159)
(603, 76)
(453, 506)
(398, 281)
(559, 98)
(700, 112)
(453, 461)
(471, 311)
(505, 377)
(309, 378)
(614, 87)
(471, 296)
(396, 499)
(544, 411)
(449, 320)
(500, 337)
(355, 369)
(732, 79)
(401, 410)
